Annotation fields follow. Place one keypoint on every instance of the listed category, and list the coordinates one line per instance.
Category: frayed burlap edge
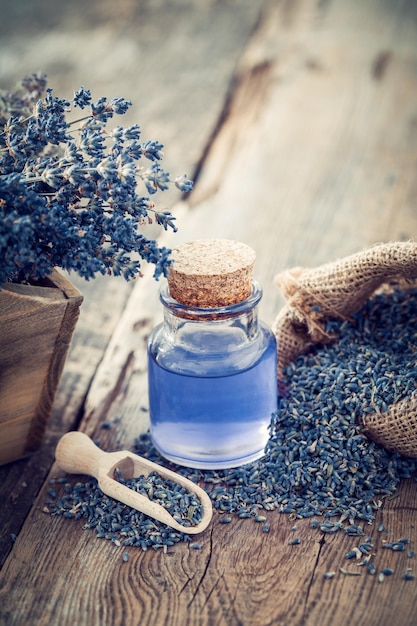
(336, 291)
(395, 429)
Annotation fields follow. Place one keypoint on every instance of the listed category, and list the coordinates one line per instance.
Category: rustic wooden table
(299, 118)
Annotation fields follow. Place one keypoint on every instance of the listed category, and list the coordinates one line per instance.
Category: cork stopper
(210, 273)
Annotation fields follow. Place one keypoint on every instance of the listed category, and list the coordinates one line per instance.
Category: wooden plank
(323, 199)
(159, 55)
(240, 576)
(142, 52)
(318, 171)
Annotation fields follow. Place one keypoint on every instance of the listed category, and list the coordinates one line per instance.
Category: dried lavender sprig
(83, 191)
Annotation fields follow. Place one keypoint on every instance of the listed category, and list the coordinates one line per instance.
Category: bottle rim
(185, 310)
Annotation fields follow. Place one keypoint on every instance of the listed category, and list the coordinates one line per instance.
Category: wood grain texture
(313, 157)
(241, 575)
(297, 171)
(140, 51)
(36, 331)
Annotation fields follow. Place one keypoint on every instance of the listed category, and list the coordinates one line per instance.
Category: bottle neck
(235, 323)
(212, 313)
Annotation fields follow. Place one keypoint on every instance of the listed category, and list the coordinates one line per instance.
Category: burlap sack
(336, 291)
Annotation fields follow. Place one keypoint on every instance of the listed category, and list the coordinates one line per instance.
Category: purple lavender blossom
(70, 191)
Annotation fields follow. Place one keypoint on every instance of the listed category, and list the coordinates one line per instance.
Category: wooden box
(36, 326)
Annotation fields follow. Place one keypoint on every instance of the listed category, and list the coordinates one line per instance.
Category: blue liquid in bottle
(212, 384)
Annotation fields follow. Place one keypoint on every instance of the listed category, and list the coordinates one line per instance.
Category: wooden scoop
(76, 453)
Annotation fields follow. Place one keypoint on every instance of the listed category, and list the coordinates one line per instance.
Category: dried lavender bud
(123, 525)
(318, 460)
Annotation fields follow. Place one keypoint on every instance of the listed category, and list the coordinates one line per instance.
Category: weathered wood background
(298, 119)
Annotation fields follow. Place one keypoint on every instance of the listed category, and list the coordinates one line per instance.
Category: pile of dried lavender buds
(318, 462)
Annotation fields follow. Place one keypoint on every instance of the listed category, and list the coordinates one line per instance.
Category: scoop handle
(76, 453)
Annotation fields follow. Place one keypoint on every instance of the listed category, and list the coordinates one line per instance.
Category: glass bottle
(212, 374)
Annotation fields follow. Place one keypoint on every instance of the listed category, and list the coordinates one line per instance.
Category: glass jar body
(212, 377)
